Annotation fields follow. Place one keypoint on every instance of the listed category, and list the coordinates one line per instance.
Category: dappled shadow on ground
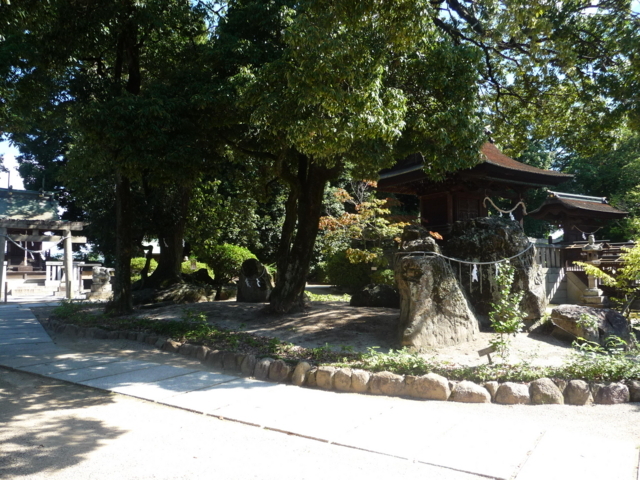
(38, 432)
(336, 323)
(356, 328)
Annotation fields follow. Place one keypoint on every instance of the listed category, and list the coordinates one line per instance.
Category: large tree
(118, 86)
(328, 88)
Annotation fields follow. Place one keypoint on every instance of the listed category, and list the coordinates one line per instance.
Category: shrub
(384, 277)
(342, 273)
(225, 260)
(137, 264)
(506, 315)
(186, 269)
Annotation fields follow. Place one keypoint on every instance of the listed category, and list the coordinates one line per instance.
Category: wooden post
(68, 265)
(3, 268)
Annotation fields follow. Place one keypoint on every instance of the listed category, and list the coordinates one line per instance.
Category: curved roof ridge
(495, 157)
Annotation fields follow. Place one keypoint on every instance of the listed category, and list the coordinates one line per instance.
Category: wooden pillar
(3, 268)
(450, 214)
(68, 265)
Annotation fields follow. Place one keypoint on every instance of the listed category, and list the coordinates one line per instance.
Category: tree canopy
(139, 102)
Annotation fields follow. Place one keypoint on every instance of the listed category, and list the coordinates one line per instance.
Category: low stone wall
(543, 391)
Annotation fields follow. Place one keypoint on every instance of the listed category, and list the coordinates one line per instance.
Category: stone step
(557, 288)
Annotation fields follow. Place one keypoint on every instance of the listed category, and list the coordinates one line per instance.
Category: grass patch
(314, 297)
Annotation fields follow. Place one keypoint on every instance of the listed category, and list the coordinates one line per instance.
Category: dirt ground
(345, 327)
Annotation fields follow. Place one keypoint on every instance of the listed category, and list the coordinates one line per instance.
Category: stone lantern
(592, 295)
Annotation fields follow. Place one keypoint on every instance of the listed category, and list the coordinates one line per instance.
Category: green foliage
(614, 362)
(506, 316)
(384, 277)
(587, 321)
(625, 279)
(341, 272)
(138, 263)
(364, 229)
(402, 362)
(314, 297)
(225, 260)
(187, 267)
(68, 310)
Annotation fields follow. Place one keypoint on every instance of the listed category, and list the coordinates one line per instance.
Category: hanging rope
(451, 259)
(35, 251)
(586, 233)
(510, 212)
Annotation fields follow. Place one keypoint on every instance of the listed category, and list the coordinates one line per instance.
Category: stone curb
(431, 386)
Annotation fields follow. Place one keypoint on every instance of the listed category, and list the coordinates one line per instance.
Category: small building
(16, 205)
(28, 219)
(464, 194)
(578, 215)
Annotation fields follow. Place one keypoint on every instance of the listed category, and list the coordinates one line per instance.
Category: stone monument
(101, 284)
(254, 285)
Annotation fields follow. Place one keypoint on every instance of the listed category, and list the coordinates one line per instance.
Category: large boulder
(254, 285)
(416, 238)
(433, 308)
(199, 276)
(376, 296)
(488, 239)
(181, 293)
(593, 324)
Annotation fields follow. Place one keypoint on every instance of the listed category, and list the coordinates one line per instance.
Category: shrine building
(27, 219)
(467, 194)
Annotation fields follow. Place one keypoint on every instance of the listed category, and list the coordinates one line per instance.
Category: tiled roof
(584, 205)
(490, 156)
(494, 156)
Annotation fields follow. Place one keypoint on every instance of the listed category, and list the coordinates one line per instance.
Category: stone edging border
(431, 386)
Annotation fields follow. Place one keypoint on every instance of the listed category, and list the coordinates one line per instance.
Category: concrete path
(505, 442)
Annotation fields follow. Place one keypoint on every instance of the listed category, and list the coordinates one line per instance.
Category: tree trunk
(122, 302)
(304, 209)
(170, 219)
(144, 274)
(169, 267)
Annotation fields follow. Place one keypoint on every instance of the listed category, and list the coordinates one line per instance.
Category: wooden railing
(549, 256)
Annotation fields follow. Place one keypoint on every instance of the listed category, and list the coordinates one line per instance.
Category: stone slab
(561, 455)
(22, 330)
(15, 336)
(22, 339)
(494, 449)
(170, 387)
(152, 374)
(19, 323)
(24, 349)
(71, 363)
(210, 400)
(116, 367)
(380, 434)
(311, 413)
(25, 318)
(47, 354)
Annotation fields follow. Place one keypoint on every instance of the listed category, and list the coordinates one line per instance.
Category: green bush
(187, 270)
(225, 260)
(342, 273)
(384, 277)
(137, 264)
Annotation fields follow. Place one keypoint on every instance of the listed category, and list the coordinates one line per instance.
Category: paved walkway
(516, 442)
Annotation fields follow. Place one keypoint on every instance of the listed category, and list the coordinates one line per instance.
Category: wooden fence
(549, 256)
